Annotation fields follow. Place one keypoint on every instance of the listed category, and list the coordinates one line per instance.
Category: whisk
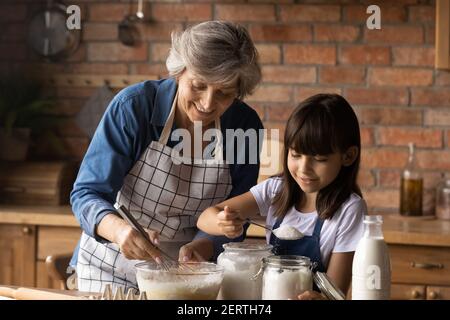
(168, 262)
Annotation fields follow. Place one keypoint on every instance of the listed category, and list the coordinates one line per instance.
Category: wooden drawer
(438, 293)
(17, 252)
(407, 292)
(57, 240)
(420, 264)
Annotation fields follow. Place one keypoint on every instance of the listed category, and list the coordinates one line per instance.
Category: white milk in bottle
(371, 272)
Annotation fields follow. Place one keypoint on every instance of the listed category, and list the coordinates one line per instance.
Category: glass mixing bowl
(189, 281)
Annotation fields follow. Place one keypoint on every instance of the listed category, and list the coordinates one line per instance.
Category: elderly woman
(132, 160)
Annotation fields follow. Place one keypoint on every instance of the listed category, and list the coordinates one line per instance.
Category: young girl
(317, 192)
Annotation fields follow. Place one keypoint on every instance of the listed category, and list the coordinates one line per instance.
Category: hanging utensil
(140, 13)
(128, 32)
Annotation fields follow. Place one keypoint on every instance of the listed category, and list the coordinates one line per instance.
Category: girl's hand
(230, 223)
(196, 251)
(311, 295)
(134, 246)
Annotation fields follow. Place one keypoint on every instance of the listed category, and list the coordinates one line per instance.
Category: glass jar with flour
(285, 277)
(241, 262)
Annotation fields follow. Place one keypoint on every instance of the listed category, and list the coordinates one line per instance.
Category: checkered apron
(163, 195)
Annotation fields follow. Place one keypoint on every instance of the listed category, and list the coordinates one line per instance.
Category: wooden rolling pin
(35, 294)
(7, 292)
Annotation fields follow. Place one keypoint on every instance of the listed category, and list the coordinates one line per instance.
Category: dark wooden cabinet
(17, 254)
(420, 272)
(28, 235)
(24, 248)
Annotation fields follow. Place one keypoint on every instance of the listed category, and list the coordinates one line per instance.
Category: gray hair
(219, 52)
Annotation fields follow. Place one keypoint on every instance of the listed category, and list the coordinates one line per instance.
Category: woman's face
(313, 173)
(201, 101)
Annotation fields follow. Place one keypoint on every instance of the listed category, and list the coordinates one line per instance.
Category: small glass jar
(285, 277)
(241, 262)
(443, 200)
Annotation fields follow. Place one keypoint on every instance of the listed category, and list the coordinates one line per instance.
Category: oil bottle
(411, 188)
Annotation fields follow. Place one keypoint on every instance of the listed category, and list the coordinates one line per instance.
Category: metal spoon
(273, 231)
(258, 224)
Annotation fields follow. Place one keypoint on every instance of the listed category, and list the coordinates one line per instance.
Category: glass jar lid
(327, 287)
(243, 246)
(287, 261)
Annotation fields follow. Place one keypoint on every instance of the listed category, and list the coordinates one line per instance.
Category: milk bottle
(371, 272)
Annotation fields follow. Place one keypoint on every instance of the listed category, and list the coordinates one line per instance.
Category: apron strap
(318, 227)
(165, 134)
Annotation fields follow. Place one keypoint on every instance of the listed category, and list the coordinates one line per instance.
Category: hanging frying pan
(128, 32)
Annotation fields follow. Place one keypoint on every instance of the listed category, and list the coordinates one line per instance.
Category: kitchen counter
(399, 230)
(396, 230)
(38, 215)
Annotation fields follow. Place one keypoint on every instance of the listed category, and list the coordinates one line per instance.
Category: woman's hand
(134, 246)
(311, 295)
(196, 251)
(230, 223)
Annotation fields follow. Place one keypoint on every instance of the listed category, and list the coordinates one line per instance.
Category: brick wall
(306, 47)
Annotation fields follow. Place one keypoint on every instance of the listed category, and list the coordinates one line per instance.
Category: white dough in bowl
(201, 281)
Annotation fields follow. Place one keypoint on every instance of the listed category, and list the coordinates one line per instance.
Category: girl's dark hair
(321, 125)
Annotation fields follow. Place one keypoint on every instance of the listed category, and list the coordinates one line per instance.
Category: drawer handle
(415, 294)
(427, 265)
(433, 295)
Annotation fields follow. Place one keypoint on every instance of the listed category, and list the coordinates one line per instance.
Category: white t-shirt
(341, 233)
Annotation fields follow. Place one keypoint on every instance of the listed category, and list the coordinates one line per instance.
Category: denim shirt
(133, 119)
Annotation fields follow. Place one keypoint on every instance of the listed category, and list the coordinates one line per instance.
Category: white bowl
(191, 281)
